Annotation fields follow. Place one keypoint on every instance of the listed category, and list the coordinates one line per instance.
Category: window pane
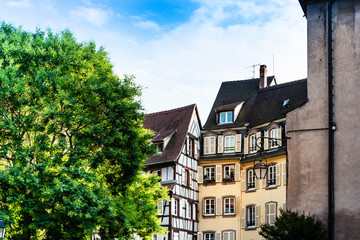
(229, 117)
(222, 117)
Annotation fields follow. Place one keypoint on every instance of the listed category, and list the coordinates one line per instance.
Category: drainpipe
(332, 126)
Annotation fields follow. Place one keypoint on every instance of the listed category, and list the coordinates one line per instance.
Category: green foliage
(292, 226)
(72, 143)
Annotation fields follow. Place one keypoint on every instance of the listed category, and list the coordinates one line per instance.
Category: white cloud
(95, 16)
(19, 4)
(147, 25)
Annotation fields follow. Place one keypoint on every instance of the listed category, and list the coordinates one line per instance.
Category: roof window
(226, 117)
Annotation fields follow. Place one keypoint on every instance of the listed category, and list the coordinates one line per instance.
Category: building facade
(323, 151)
(176, 136)
(246, 123)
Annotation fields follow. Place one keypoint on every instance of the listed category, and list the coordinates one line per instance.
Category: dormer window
(159, 147)
(226, 117)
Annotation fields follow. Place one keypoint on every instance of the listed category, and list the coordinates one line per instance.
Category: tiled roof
(173, 122)
(261, 105)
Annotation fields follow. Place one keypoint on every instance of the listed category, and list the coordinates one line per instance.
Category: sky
(180, 51)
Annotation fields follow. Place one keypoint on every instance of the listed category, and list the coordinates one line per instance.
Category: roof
(261, 105)
(303, 3)
(173, 122)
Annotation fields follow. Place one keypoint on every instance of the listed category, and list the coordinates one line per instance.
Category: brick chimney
(263, 76)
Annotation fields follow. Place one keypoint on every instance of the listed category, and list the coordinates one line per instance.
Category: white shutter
(272, 212)
(257, 215)
(164, 174)
(187, 145)
(218, 173)
(238, 143)
(279, 136)
(243, 180)
(267, 213)
(266, 140)
(220, 144)
(200, 174)
(278, 174)
(200, 236)
(212, 145)
(237, 172)
(243, 217)
(160, 207)
(258, 140)
(183, 176)
(246, 145)
(195, 149)
(172, 206)
(218, 206)
(206, 145)
(218, 236)
(284, 173)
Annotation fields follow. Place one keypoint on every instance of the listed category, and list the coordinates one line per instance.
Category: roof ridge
(247, 80)
(170, 110)
(281, 85)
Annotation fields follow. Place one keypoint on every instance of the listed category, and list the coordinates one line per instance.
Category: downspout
(332, 126)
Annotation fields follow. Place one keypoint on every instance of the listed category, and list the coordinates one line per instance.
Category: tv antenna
(253, 69)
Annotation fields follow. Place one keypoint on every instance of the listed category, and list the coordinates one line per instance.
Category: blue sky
(179, 50)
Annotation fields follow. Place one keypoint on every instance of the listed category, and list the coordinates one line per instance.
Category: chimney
(263, 76)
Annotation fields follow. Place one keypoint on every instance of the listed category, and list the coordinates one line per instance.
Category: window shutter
(220, 144)
(272, 212)
(206, 145)
(237, 172)
(232, 236)
(258, 140)
(195, 150)
(284, 206)
(257, 215)
(218, 206)
(200, 174)
(279, 136)
(267, 213)
(187, 145)
(218, 236)
(243, 180)
(284, 173)
(160, 207)
(238, 143)
(243, 217)
(183, 176)
(218, 173)
(172, 206)
(246, 145)
(257, 183)
(278, 174)
(200, 236)
(164, 174)
(212, 145)
(266, 140)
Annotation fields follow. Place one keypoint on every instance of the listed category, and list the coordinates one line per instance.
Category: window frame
(230, 198)
(231, 148)
(212, 235)
(176, 207)
(209, 180)
(252, 143)
(212, 203)
(271, 176)
(268, 217)
(226, 118)
(191, 147)
(228, 232)
(273, 143)
(250, 217)
(225, 178)
(248, 182)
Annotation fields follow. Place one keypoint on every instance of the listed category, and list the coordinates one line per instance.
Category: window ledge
(250, 190)
(250, 228)
(229, 215)
(271, 187)
(209, 216)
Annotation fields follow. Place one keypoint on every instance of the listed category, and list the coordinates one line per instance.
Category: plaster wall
(308, 149)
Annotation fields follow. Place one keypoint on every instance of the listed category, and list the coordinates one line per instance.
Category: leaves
(71, 140)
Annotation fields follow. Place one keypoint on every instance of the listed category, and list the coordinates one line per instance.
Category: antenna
(273, 64)
(253, 69)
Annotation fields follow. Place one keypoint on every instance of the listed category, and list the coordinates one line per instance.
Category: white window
(176, 207)
(188, 210)
(273, 142)
(252, 144)
(270, 210)
(167, 174)
(272, 176)
(209, 173)
(209, 207)
(209, 236)
(229, 173)
(229, 206)
(250, 216)
(250, 179)
(228, 235)
(229, 144)
(226, 117)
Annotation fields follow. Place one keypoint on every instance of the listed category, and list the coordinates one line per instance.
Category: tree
(72, 143)
(292, 226)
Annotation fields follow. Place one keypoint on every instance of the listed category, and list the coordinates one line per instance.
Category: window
(209, 174)
(229, 173)
(271, 176)
(167, 173)
(209, 207)
(273, 143)
(250, 179)
(209, 145)
(229, 206)
(228, 235)
(253, 143)
(226, 117)
(191, 147)
(270, 212)
(209, 236)
(250, 212)
(176, 207)
(187, 177)
(188, 210)
(229, 144)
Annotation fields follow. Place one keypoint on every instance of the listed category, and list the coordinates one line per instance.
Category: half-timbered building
(176, 136)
